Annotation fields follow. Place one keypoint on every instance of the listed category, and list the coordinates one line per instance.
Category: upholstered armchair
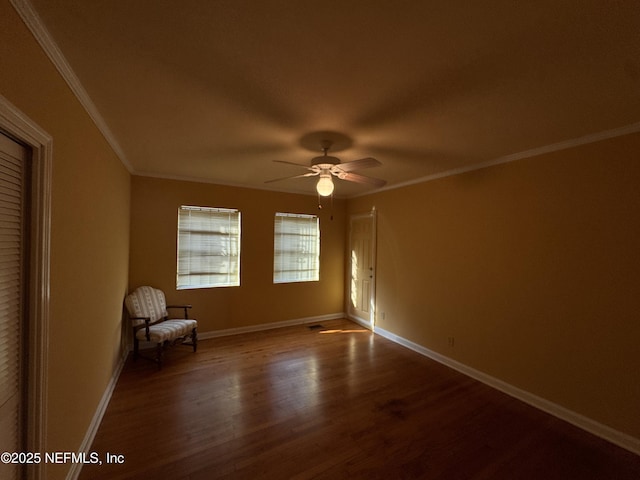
(150, 320)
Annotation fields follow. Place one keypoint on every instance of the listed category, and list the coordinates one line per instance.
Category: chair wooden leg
(194, 339)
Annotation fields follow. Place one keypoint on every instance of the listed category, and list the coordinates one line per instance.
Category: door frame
(18, 126)
(371, 321)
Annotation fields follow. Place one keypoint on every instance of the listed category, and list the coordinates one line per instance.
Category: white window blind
(296, 256)
(208, 247)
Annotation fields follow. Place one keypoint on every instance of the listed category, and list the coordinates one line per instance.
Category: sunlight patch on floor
(346, 331)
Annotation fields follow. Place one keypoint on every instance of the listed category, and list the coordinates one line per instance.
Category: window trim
(278, 276)
(233, 273)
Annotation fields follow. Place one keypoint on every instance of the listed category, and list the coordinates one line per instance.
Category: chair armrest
(185, 307)
(147, 322)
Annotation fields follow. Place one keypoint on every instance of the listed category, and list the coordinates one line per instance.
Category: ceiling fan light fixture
(325, 185)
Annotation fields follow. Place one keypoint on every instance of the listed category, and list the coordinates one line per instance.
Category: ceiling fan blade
(357, 164)
(354, 177)
(292, 163)
(310, 174)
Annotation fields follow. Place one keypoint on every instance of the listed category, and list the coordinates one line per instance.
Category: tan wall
(89, 238)
(154, 213)
(532, 266)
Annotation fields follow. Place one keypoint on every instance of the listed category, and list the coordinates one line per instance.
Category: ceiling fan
(326, 166)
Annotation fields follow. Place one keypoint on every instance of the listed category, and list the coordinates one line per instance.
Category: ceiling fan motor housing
(325, 160)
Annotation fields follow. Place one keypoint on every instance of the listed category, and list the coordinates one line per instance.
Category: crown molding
(534, 152)
(180, 178)
(33, 22)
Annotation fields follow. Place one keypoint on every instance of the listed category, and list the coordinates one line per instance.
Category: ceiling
(218, 90)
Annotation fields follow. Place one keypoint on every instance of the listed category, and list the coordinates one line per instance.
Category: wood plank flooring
(301, 403)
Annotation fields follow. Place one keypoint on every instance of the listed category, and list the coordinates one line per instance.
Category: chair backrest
(146, 302)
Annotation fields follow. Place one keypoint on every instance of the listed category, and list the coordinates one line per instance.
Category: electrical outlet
(451, 341)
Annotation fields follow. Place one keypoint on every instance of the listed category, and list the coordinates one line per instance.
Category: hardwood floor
(336, 403)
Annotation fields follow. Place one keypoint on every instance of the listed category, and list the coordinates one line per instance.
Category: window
(296, 256)
(208, 247)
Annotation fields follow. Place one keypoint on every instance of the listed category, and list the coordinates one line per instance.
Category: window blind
(13, 199)
(296, 255)
(208, 247)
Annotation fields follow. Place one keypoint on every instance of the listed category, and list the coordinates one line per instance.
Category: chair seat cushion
(168, 330)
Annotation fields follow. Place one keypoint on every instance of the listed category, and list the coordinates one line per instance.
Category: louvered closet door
(13, 162)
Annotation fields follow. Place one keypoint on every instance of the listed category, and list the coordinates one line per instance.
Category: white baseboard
(85, 446)
(361, 321)
(269, 326)
(603, 431)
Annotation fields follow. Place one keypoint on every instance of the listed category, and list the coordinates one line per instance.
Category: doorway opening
(35, 282)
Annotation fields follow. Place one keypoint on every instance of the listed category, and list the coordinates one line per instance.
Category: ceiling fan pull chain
(331, 207)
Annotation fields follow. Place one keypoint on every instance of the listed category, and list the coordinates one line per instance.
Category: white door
(362, 234)
(13, 211)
